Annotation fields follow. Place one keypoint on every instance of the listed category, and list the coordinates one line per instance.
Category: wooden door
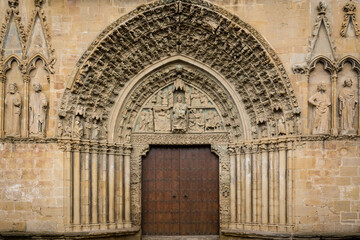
(180, 191)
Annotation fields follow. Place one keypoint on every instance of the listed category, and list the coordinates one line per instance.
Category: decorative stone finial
(349, 8)
(13, 3)
(38, 3)
(322, 7)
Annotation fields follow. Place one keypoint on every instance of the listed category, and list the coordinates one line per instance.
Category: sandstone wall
(327, 173)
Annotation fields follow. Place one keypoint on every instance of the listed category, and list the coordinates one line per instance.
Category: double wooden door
(180, 191)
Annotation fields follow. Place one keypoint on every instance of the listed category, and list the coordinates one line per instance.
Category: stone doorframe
(140, 53)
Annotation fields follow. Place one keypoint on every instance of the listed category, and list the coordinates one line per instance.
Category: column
(305, 113)
(25, 113)
(103, 187)
(112, 187)
(238, 184)
(264, 185)
(282, 183)
(290, 164)
(258, 185)
(120, 187)
(232, 185)
(127, 196)
(248, 209)
(243, 177)
(276, 184)
(334, 130)
(94, 185)
(254, 182)
(271, 183)
(85, 186)
(2, 102)
(66, 147)
(76, 187)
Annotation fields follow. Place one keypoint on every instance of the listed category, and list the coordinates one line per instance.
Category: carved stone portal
(168, 111)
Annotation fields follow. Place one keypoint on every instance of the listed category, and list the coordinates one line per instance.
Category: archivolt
(197, 29)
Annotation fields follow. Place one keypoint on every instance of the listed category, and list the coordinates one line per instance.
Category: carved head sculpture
(77, 119)
(348, 82)
(321, 87)
(37, 87)
(12, 88)
(322, 7)
(179, 98)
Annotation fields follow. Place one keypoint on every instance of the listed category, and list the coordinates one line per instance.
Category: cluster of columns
(97, 185)
(261, 185)
(25, 105)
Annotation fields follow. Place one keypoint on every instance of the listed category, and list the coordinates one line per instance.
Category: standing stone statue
(347, 107)
(321, 114)
(12, 111)
(179, 117)
(38, 108)
(78, 130)
(87, 128)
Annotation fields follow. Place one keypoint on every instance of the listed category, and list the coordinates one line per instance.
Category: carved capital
(2, 77)
(127, 149)
(85, 146)
(232, 149)
(26, 78)
(65, 146)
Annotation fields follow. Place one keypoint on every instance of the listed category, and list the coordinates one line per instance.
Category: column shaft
(94, 187)
(232, 188)
(238, 186)
(248, 186)
(264, 187)
(127, 186)
(76, 187)
(111, 188)
(282, 185)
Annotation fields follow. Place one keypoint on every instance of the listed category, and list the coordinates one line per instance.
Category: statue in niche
(290, 127)
(196, 120)
(162, 120)
(95, 130)
(195, 98)
(272, 128)
(60, 130)
(213, 121)
(78, 130)
(281, 126)
(179, 116)
(38, 108)
(321, 114)
(67, 129)
(103, 131)
(146, 121)
(347, 108)
(158, 98)
(87, 128)
(12, 111)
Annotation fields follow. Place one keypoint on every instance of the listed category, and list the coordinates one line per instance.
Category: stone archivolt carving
(38, 107)
(349, 17)
(251, 66)
(347, 107)
(12, 111)
(322, 111)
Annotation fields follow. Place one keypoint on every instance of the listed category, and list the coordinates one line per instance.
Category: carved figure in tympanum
(196, 120)
(321, 114)
(213, 121)
(38, 106)
(162, 119)
(347, 108)
(164, 97)
(146, 121)
(78, 130)
(87, 128)
(179, 115)
(12, 111)
(195, 98)
(187, 95)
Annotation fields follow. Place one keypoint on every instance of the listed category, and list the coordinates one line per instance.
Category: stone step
(194, 237)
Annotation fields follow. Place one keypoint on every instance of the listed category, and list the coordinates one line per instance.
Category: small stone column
(264, 184)
(103, 186)
(66, 147)
(276, 184)
(85, 185)
(232, 153)
(111, 170)
(238, 184)
(271, 183)
(334, 130)
(282, 183)
(76, 187)
(290, 169)
(127, 152)
(25, 112)
(2, 102)
(120, 187)
(94, 185)
(248, 183)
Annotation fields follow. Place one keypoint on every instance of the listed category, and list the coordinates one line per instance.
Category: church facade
(229, 119)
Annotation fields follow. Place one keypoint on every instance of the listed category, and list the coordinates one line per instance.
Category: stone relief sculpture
(321, 113)
(78, 130)
(12, 111)
(213, 121)
(281, 126)
(95, 130)
(196, 120)
(179, 115)
(146, 121)
(195, 98)
(347, 108)
(162, 120)
(38, 108)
